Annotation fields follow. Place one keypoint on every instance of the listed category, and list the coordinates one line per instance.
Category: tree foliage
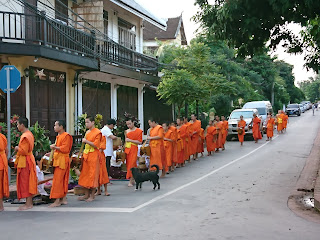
(311, 88)
(248, 25)
(209, 71)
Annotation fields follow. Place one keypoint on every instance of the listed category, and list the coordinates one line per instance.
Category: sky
(173, 8)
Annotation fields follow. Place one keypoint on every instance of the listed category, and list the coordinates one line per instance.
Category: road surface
(240, 193)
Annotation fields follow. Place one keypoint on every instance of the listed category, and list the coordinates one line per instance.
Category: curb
(308, 184)
(317, 193)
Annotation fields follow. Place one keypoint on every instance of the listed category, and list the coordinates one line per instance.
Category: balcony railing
(37, 29)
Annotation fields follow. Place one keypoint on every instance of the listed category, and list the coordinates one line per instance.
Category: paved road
(240, 193)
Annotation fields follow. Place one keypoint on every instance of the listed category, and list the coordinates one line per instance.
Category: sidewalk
(307, 185)
(13, 185)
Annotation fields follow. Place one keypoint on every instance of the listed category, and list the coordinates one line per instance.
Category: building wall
(115, 12)
(127, 101)
(10, 6)
(155, 109)
(23, 62)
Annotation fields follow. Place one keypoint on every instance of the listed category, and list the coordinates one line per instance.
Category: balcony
(36, 30)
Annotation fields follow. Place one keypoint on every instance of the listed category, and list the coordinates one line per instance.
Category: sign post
(10, 81)
(8, 115)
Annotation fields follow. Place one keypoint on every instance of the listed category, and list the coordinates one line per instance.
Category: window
(105, 22)
(127, 34)
(61, 10)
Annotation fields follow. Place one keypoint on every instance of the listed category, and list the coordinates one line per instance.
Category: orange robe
(211, 138)
(61, 164)
(242, 124)
(174, 150)
(156, 147)
(168, 146)
(224, 132)
(281, 126)
(89, 176)
(285, 121)
(131, 150)
(196, 127)
(270, 127)
(201, 141)
(256, 128)
(4, 177)
(279, 123)
(219, 135)
(27, 181)
(103, 172)
(184, 134)
(180, 148)
(190, 131)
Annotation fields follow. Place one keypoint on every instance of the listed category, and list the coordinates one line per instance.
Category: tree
(311, 88)
(197, 61)
(285, 72)
(178, 86)
(248, 25)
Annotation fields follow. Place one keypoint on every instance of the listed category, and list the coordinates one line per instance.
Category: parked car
(263, 107)
(234, 118)
(305, 107)
(308, 104)
(293, 109)
(302, 108)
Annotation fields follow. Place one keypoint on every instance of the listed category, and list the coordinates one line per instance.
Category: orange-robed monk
(180, 144)
(103, 172)
(89, 176)
(195, 141)
(156, 145)
(285, 121)
(201, 142)
(174, 129)
(184, 134)
(241, 125)
(168, 144)
(211, 138)
(27, 182)
(187, 149)
(224, 131)
(61, 164)
(4, 178)
(279, 122)
(270, 126)
(133, 139)
(256, 128)
(218, 126)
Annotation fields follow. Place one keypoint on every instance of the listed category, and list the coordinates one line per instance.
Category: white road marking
(131, 210)
(199, 179)
(74, 209)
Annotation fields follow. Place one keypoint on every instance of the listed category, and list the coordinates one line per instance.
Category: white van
(263, 107)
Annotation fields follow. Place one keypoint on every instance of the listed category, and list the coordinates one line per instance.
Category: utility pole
(272, 94)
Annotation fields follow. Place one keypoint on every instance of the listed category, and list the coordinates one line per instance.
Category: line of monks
(171, 145)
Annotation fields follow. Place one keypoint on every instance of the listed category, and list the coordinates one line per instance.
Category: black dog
(148, 176)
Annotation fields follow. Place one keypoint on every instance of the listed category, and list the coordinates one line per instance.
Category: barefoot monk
(156, 142)
(89, 176)
(61, 164)
(133, 139)
(27, 182)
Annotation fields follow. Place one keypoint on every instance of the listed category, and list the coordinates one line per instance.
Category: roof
(174, 26)
(245, 110)
(135, 8)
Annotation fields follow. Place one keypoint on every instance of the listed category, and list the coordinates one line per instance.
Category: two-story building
(79, 57)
